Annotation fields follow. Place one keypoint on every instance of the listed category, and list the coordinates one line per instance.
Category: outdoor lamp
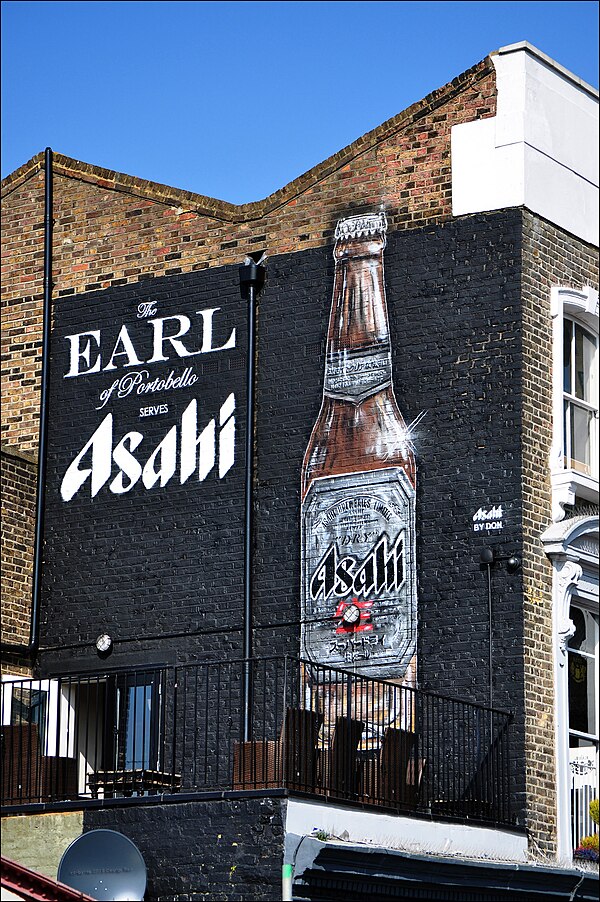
(103, 644)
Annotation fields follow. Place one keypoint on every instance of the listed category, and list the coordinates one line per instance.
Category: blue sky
(235, 99)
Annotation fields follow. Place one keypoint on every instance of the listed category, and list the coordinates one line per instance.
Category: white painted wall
(539, 151)
(417, 835)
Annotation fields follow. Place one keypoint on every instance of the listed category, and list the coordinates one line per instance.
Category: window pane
(578, 638)
(29, 707)
(567, 335)
(582, 694)
(584, 361)
(137, 739)
(585, 637)
(581, 426)
(583, 754)
(567, 433)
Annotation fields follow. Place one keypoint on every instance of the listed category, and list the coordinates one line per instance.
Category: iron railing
(324, 732)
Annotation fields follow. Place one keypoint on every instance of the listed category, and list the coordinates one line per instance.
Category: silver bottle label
(358, 544)
(354, 375)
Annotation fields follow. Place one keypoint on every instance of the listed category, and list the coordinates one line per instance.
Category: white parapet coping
(539, 151)
(408, 834)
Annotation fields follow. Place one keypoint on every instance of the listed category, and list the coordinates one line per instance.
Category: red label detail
(363, 624)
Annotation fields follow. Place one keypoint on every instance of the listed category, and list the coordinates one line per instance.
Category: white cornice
(525, 46)
(540, 151)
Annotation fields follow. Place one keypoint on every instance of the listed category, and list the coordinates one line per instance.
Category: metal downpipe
(252, 278)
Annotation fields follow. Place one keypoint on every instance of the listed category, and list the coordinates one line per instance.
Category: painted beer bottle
(358, 480)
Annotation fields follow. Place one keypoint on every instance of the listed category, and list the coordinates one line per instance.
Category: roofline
(31, 885)
(228, 212)
(548, 61)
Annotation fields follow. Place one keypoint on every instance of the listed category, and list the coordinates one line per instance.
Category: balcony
(324, 733)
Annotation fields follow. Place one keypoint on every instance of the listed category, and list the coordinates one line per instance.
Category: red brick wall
(110, 228)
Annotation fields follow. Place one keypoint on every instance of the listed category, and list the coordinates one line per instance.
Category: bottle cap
(357, 226)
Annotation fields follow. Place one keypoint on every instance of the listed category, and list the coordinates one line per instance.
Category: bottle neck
(358, 360)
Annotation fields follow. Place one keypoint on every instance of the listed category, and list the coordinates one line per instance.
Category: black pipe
(487, 557)
(31, 648)
(490, 635)
(252, 279)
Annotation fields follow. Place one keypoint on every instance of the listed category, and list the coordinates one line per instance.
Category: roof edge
(229, 212)
(548, 61)
(33, 885)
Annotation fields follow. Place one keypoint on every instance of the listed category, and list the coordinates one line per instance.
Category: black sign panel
(144, 497)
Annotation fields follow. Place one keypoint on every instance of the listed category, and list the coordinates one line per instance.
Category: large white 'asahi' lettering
(381, 570)
(83, 344)
(198, 452)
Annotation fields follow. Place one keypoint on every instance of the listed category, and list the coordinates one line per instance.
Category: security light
(103, 644)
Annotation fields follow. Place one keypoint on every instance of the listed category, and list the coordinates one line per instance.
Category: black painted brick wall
(453, 294)
(454, 305)
(150, 563)
(218, 850)
(170, 561)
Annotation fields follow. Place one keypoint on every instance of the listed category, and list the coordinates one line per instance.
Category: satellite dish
(106, 865)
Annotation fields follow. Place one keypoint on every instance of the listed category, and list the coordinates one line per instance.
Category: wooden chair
(339, 769)
(395, 777)
(21, 764)
(29, 776)
(288, 761)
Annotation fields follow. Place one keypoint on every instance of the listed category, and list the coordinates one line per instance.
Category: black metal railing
(328, 733)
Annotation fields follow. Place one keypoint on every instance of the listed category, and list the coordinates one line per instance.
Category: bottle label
(354, 375)
(358, 550)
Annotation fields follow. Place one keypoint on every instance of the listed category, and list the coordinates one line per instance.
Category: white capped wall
(539, 151)
(410, 834)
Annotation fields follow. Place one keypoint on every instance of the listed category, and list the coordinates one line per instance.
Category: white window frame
(569, 484)
(572, 546)
(58, 701)
(584, 783)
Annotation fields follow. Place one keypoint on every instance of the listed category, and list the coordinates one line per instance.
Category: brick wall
(111, 229)
(18, 523)
(161, 570)
(551, 257)
(453, 301)
(220, 850)
(460, 280)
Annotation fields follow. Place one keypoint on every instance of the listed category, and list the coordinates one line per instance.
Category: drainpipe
(31, 648)
(487, 558)
(252, 279)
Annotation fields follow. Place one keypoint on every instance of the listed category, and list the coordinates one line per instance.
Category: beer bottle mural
(358, 480)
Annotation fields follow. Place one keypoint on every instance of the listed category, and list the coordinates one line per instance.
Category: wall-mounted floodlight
(104, 644)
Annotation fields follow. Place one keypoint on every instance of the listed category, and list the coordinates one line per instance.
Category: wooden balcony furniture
(339, 768)
(136, 781)
(288, 761)
(27, 775)
(394, 777)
